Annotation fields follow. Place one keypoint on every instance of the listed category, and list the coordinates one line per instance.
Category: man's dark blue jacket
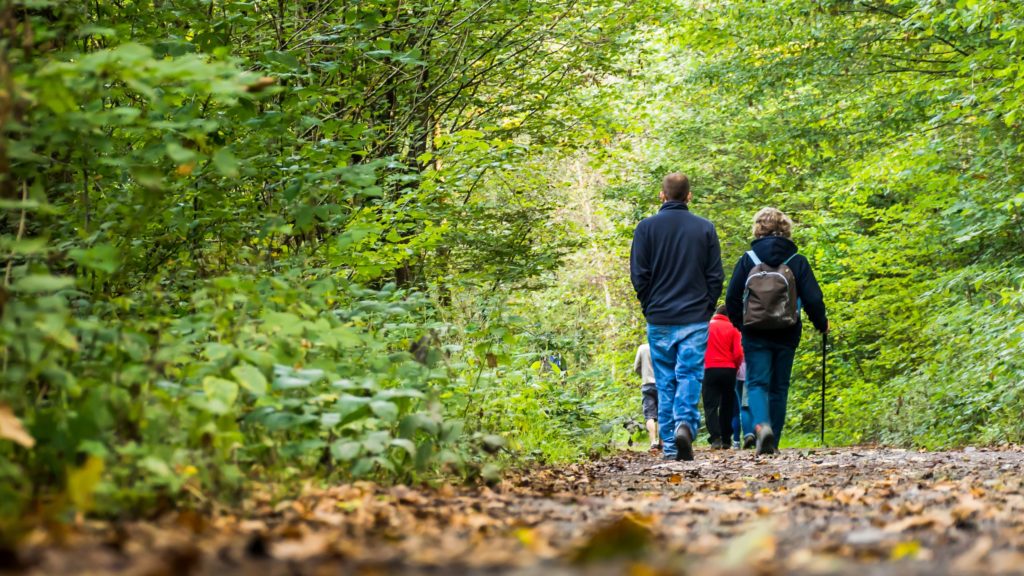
(676, 266)
(774, 250)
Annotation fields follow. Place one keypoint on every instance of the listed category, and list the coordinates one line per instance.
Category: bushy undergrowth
(247, 379)
(254, 242)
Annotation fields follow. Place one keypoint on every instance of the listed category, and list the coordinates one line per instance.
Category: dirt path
(849, 511)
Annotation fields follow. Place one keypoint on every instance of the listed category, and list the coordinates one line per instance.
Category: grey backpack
(769, 297)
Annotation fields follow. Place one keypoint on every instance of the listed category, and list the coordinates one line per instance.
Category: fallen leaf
(972, 559)
(909, 549)
(754, 547)
(312, 544)
(940, 520)
(1006, 562)
(12, 429)
(626, 536)
(967, 509)
(261, 84)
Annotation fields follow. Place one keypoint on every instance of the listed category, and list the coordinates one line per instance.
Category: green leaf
(405, 444)
(285, 323)
(250, 378)
(102, 257)
(376, 442)
(346, 450)
(35, 283)
(491, 472)
(384, 410)
(221, 393)
(415, 422)
(156, 466)
(362, 467)
(225, 162)
(493, 442)
(179, 153)
(216, 351)
(283, 60)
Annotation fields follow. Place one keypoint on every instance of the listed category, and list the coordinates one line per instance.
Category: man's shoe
(765, 439)
(716, 444)
(684, 443)
(655, 447)
(749, 441)
(735, 444)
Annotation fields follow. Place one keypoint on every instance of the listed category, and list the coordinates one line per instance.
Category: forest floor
(847, 511)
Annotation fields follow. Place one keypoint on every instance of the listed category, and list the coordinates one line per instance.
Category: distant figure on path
(721, 361)
(649, 392)
(742, 421)
(676, 269)
(769, 285)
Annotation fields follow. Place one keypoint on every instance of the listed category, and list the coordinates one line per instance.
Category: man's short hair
(676, 186)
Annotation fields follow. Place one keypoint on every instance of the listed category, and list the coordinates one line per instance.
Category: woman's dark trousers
(719, 401)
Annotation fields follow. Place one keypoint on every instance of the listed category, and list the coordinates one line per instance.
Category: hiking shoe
(749, 441)
(716, 444)
(684, 443)
(655, 447)
(765, 439)
(735, 444)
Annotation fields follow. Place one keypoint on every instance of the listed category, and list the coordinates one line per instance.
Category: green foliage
(257, 241)
(271, 242)
(889, 131)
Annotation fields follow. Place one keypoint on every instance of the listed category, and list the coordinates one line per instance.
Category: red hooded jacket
(725, 348)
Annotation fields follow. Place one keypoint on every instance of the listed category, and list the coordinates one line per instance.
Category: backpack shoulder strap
(753, 257)
(790, 258)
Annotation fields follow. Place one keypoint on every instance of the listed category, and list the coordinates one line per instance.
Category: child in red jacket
(723, 357)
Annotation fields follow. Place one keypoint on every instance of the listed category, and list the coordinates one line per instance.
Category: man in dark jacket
(676, 268)
(770, 352)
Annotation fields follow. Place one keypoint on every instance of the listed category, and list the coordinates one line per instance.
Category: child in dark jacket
(721, 360)
(770, 352)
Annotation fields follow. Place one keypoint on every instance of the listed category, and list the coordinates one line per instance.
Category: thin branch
(21, 231)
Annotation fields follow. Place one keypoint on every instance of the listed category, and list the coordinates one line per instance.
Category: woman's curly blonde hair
(772, 222)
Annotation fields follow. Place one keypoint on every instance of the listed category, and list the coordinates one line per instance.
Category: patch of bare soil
(843, 511)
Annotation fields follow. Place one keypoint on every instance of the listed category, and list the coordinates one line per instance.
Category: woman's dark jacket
(774, 250)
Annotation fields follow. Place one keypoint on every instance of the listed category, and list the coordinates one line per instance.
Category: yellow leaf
(185, 169)
(525, 536)
(11, 428)
(82, 483)
(906, 550)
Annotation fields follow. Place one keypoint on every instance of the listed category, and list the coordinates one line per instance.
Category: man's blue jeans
(677, 353)
(769, 366)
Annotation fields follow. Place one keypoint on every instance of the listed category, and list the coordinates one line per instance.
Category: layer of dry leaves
(850, 511)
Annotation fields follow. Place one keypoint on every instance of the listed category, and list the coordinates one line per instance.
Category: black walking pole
(824, 349)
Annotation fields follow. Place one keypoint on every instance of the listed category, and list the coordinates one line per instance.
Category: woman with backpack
(769, 286)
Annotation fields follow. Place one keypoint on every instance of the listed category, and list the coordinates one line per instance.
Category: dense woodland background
(251, 244)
